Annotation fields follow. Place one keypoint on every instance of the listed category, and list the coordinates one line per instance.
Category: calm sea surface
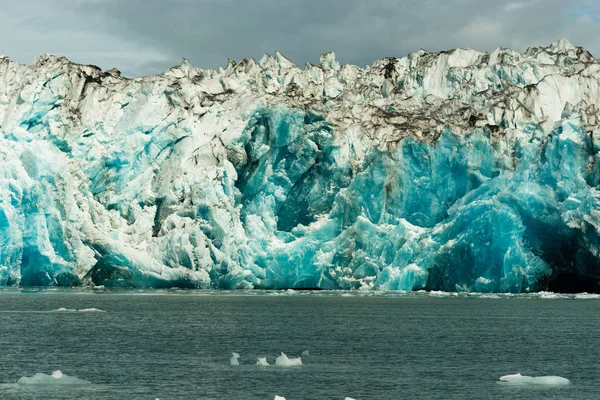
(177, 345)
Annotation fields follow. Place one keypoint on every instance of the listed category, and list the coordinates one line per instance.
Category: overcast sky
(141, 37)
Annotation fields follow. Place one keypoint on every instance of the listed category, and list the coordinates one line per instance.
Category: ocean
(363, 345)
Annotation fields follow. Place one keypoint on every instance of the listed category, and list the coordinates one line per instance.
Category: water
(177, 345)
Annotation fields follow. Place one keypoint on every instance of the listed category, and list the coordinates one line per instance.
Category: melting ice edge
(453, 171)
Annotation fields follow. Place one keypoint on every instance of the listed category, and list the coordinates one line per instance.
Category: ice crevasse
(454, 171)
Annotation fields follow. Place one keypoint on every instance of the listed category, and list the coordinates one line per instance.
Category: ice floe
(284, 361)
(56, 378)
(262, 361)
(523, 380)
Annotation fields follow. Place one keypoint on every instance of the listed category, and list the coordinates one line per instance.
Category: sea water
(178, 345)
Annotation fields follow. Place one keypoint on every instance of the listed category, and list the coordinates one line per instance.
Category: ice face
(452, 171)
(522, 380)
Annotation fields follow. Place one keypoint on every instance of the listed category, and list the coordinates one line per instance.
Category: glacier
(455, 171)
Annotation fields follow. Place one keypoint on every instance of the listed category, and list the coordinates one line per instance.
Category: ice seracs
(453, 171)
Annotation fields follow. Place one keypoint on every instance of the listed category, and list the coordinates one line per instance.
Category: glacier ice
(453, 171)
(523, 380)
(234, 360)
(57, 378)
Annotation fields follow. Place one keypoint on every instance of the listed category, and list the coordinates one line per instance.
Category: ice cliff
(456, 171)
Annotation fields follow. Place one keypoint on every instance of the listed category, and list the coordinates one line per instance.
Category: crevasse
(454, 171)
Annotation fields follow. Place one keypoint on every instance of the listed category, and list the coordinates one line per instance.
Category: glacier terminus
(455, 171)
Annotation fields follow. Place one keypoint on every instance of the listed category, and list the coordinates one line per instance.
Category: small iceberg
(262, 361)
(62, 309)
(234, 359)
(523, 380)
(305, 353)
(57, 378)
(279, 398)
(586, 296)
(285, 361)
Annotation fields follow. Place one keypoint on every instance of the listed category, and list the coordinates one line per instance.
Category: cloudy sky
(141, 37)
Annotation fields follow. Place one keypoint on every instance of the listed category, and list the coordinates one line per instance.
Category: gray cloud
(147, 36)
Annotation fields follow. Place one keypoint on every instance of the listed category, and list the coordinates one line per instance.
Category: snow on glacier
(453, 171)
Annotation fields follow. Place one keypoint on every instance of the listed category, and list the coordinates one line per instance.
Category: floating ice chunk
(549, 295)
(439, 293)
(62, 309)
(285, 361)
(279, 398)
(234, 359)
(522, 380)
(305, 353)
(349, 398)
(57, 378)
(585, 296)
(262, 361)
(491, 296)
